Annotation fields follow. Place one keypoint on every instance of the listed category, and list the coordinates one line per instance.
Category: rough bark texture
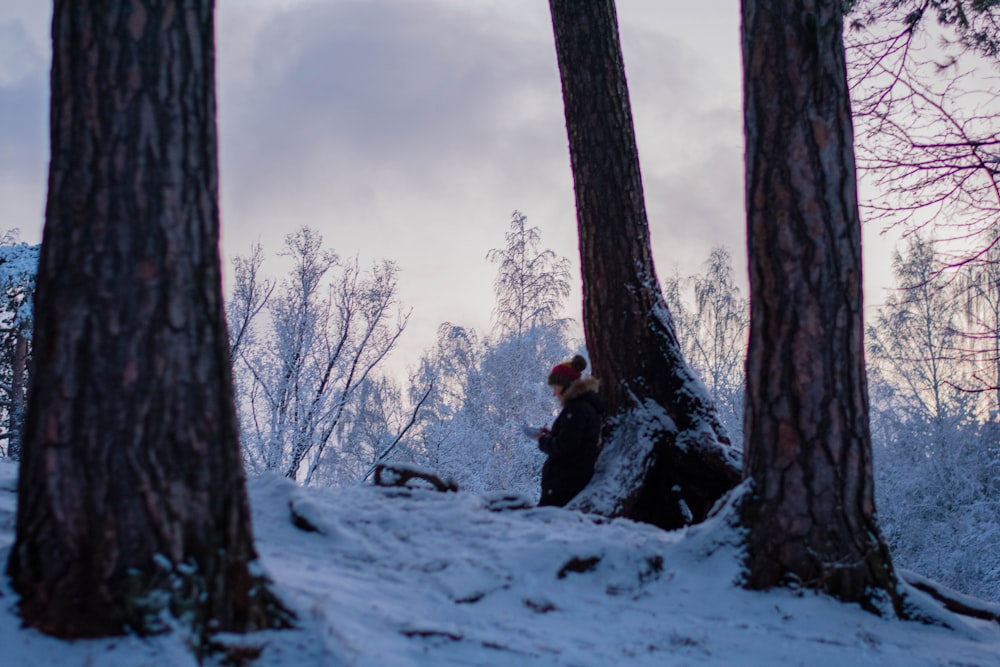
(131, 497)
(630, 335)
(808, 447)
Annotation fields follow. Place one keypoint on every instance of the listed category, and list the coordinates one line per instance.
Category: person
(573, 443)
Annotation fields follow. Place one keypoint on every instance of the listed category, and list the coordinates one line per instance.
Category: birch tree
(486, 390)
(306, 348)
(712, 330)
(18, 270)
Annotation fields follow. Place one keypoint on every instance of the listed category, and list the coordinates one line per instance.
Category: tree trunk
(131, 499)
(808, 448)
(666, 457)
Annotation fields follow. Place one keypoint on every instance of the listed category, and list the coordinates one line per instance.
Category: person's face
(557, 391)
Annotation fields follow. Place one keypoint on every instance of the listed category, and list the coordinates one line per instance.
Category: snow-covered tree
(371, 425)
(484, 393)
(979, 326)
(912, 342)
(936, 457)
(712, 326)
(251, 293)
(531, 285)
(451, 367)
(18, 269)
(486, 390)
(302, 368)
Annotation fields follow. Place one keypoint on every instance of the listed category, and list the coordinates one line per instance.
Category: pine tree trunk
(808, 448)
(674, 471)
(132, 497)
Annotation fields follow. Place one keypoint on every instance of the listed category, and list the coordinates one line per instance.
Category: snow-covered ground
(398, 577)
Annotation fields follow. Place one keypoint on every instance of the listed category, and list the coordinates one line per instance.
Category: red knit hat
(565, 373)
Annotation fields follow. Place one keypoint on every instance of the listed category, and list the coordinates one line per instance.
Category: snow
(18, 267)
(625, 459)
(18, 262)
(398, 577)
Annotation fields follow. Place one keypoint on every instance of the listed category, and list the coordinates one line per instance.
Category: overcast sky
(411, 129)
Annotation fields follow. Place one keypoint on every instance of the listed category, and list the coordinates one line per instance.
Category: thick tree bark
(672, 472)
(132, 497)
(808, 448)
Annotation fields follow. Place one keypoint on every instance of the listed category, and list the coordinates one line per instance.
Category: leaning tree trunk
(666, 458)
(808, 449)
(131, 499)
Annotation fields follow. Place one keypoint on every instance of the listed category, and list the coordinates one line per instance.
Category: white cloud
(19, 57)
(23, 123)
(411, 130)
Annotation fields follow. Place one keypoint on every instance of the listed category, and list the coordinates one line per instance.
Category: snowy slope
(398, 577)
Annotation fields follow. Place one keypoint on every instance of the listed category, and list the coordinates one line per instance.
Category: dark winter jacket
(573, 444)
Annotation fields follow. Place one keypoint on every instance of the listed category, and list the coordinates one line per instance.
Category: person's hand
(542, 431)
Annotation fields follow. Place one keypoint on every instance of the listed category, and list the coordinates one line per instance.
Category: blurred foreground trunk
(131, 497)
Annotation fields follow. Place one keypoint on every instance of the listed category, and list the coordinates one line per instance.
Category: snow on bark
(625, 460)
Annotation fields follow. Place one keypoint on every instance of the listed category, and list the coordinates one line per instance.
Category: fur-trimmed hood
(573, 444)
(580, 387)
